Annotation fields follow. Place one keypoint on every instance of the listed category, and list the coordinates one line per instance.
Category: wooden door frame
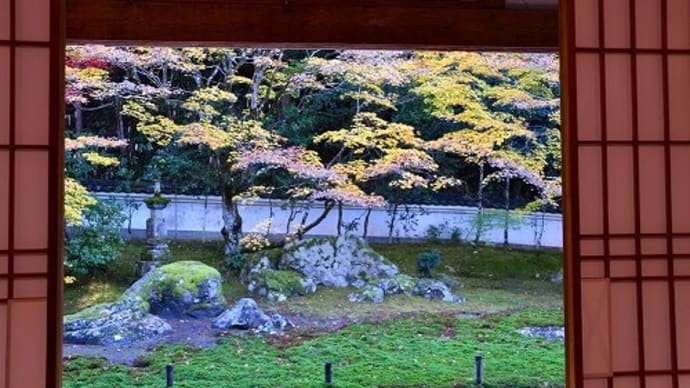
(419, 24)
(473, 25)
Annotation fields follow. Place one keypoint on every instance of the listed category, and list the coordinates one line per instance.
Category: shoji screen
(628, 91)
(31, 47)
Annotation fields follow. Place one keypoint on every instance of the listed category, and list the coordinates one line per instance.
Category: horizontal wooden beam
(423, 24)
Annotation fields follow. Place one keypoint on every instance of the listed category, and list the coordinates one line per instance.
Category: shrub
(456, 234)
(235, 262)
(434, 232)
(426, 261)
(95, 242)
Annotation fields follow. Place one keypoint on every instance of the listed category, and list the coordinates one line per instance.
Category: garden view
(310, 218)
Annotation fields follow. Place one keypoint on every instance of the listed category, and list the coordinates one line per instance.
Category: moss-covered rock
(450, 280)
(88, 314)
(255, 264)
(179, 288)
(398, 284)
(124, 322)
(277, 285)
(433, 289)
(370, 293)
(345, 261)
(185, 287)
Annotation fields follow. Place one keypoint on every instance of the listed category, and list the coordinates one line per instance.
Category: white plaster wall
(200, 218)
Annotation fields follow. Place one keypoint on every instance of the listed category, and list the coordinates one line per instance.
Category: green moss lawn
(404, 342)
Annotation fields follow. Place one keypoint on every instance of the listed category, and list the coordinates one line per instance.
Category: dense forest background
(369, 128)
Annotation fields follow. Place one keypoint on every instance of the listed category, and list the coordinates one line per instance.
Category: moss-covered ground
(404, 342)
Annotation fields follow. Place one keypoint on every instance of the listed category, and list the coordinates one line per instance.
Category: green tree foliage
(83, 158)
(95, 236)
(96, 241)
(76, 200)
(370, 128)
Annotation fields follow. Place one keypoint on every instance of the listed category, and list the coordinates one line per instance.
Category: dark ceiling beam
(431, 24)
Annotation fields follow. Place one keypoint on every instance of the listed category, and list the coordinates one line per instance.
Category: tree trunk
(539, 230)
(506, 220)
(366, 223)
(118, 118)
(197, 79)
(203, 227)
(270, 218)
(306, 228)
(164, 77)
(480, 205)
(257, 78)
(232, 226)
(78, 118)
(302, 223)
(291, 217)
(359, 107)
(391, 224)
(340, 218)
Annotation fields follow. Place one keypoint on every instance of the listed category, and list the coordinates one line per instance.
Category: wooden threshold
(420, 24)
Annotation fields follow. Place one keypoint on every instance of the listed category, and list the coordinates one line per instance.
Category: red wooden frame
(425, 24)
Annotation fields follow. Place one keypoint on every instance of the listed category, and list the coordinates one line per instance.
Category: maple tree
(318, 129)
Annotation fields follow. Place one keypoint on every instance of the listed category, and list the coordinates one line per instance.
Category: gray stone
(433, 289)
(185, 287)
(245, 314)
(557, 277)
(450, 280)
(253, 268)
(370, 293)
(278, 285)
(124, 322)
(549, 333)
(359, 283)
(398, 284)
(378, 288)
(157, 231)
(345, 261)
(278, 323)
(180, 288)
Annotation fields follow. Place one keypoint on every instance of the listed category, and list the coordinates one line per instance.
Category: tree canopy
(369, 128)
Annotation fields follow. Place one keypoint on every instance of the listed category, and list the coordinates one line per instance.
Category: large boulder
(398, 284)
(406, 285)
(449, 280)
(298, 268)
(124, 322)
(183, 287)
(275, 285)
(186, 287)
(345, 261)
(245, 314)
(433, 289)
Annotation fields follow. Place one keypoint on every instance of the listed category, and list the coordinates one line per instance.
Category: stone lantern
(156, 231)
